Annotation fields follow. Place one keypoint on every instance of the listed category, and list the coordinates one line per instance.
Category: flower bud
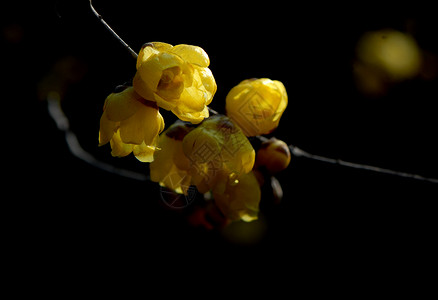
(256, 105)
(274, 155)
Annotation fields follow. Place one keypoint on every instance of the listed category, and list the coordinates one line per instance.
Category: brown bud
(274, 155)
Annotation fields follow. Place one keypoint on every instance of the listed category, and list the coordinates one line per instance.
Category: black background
(77, 217)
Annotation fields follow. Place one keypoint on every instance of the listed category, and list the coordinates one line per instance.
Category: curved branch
(63, 124)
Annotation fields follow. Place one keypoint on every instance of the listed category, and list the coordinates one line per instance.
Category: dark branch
(133, 53)
(301, 153)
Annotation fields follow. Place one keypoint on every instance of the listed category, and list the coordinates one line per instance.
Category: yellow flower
(177, 78)
(256, 105)
(130, 124)
(216, 147)
(238, 201)
(170, 166)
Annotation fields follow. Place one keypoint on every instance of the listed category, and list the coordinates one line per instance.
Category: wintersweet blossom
(131, 124)
(170, 166)
(238, 201)
(216, 147)
(256, 105)
(177, 78)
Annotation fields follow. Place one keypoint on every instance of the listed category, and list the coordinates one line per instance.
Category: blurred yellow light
(393, 52)
(244, 233)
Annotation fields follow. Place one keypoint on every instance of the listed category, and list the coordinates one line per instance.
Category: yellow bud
(274, 155)
(256, 105)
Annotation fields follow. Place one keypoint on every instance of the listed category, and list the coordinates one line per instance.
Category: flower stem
(133, 53)
(62, 122)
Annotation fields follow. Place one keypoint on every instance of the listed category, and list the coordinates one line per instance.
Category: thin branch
(301, 153)
(133, 53)
(61, 120)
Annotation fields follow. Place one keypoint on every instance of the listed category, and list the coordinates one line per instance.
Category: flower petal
(160, 46)
(240, 201)
(284, 100)
(192, 54)
(189, 116)
(107, 129)
(208, 82)
(143, 126)
(121, 106)
(141, 88)
(119, 149)
(150, 49)
(151, 70)
(144, 153)
(145, 53)
(170, 165)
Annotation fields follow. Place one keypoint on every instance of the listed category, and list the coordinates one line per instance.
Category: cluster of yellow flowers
(212, 153)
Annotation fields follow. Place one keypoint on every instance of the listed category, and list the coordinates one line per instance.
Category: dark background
(331, 217)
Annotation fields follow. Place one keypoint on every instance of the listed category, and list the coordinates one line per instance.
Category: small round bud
(274, 155)
(256, 105)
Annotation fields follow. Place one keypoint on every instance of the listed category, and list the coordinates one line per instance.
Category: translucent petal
(123, 105)
(144, 54)
(119, 149)
(192, 54)
(166, 104)
(152, 69)
(160, 46)
(284, 98)
(143, 126)
(239, 201)
(163, 159)
(107, 129)
(144, 153)
(208, 82)
(187, 115)
(171, 84)
(150, 49)
(142, 89)
(192, 99)
(165, 169)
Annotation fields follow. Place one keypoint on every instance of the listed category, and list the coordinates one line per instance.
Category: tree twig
(301, 153)
(63, 124)
(133, 53)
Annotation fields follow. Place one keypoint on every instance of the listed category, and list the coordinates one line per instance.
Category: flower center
(169, 78)
(171, 83)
